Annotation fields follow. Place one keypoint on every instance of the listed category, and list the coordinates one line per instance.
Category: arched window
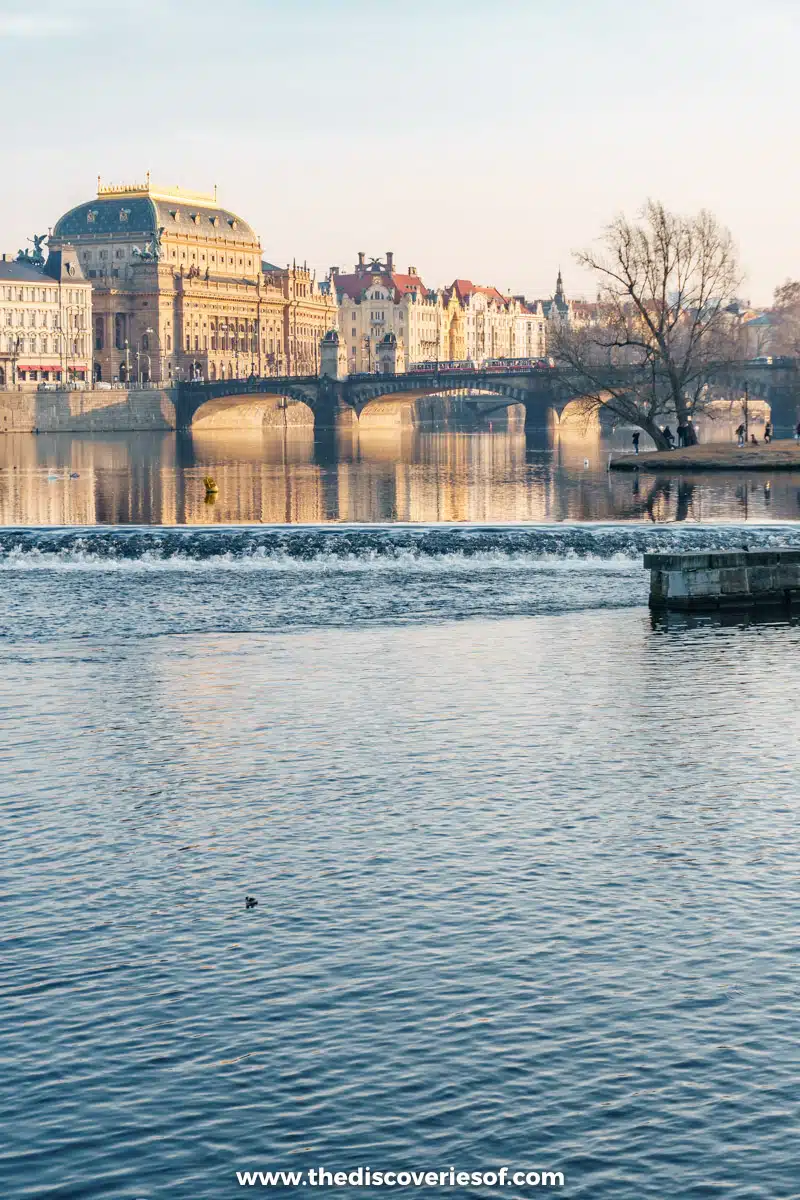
(212, 371)
(99, 333)
(169, 342)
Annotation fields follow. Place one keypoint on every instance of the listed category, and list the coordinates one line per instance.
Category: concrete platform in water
(712, 579)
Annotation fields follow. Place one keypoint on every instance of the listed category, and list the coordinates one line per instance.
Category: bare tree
(662, 330)
(785, 315)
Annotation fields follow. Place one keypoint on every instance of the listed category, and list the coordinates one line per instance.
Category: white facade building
(375, 300)
(45, 321)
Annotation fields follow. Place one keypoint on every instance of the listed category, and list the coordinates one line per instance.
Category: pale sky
(474, 139)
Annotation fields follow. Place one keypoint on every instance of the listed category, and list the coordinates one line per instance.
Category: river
(525, 857)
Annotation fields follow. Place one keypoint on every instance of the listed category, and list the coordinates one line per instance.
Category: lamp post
(16, 342)
(139, 353)
(223, 329)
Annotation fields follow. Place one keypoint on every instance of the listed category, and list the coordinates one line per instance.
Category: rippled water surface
(374, 474)
(526, 864)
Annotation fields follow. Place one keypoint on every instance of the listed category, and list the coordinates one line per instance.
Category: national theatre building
(180, 291)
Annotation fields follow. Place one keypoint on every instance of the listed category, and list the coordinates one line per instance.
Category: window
(169, 342)
(99, 333)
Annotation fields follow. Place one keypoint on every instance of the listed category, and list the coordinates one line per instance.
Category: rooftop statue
(36, 258)
(152, 250)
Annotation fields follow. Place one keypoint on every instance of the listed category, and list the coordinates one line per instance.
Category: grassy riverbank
(781, 455)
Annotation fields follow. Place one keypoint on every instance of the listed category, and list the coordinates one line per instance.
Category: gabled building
(45, 321)
(375, 299)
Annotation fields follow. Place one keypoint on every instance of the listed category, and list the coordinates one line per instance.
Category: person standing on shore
(635, 439)
(768, 432)
(740, 433)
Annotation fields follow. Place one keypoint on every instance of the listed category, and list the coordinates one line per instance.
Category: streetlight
(16, 341)
(139, 353)
(235, 333)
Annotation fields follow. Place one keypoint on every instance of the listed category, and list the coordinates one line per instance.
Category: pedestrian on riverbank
(767, 432)
(669, 437)
(797, 432)
(740, 431)
(682, 436)
(635, 439)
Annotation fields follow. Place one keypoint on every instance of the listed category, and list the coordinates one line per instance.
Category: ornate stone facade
(374, 300)
(45, 321)
(462, 321)
(180, 290)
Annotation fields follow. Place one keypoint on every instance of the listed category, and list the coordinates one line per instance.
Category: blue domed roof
(121, 216)
(108, 216)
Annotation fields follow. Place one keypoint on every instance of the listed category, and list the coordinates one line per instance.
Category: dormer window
(195, 218)
(91, 216)
(214, 221)
(233, 222)
(124, 213)
(176, 216)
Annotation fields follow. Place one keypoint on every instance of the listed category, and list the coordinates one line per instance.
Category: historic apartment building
(462, 321)
(375, 300)
(180, 290)
(45, 321)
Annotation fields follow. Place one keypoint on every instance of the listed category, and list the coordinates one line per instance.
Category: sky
(473, 139)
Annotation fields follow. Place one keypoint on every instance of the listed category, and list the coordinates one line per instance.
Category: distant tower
(559, 297)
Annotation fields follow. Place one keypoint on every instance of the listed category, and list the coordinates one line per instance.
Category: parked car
(763, 360)
(102, 387)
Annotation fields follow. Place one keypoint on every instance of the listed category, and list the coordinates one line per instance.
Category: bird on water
(250, 902)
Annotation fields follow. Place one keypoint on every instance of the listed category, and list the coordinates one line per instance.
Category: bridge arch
(396, 398)
(252, 410)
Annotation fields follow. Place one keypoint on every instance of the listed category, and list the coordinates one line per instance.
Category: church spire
(559, 296)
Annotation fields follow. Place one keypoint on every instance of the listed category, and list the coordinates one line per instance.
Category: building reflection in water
(377, 470)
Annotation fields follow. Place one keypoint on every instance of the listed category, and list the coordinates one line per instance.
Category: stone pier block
(713, 579)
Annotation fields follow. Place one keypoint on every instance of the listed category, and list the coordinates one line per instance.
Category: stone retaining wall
(89, 411)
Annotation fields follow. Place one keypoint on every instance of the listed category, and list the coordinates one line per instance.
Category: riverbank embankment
(89, 411)
(783, 455)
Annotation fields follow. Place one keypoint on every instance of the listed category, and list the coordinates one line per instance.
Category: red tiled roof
(355, 285)
(465, 287)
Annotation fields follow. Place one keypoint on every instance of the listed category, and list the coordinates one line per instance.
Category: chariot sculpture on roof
(152, 250)
(35, 258)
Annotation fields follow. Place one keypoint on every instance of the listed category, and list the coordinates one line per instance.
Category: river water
(526, 859)
(383, 474)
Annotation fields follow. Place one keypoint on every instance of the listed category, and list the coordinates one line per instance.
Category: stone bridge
(541, 392)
